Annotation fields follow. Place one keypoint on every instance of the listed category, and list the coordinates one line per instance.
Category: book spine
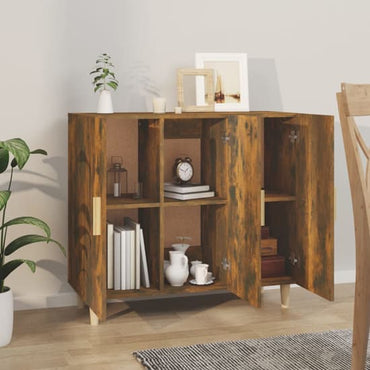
(110, 256)
(117, 260)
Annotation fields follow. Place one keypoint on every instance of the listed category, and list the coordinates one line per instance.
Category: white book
(144, 262)
(136, 227)
(122, 254)
(110, 255)
(205, 194)
(117, 259)
(185, 188)
(127, 259)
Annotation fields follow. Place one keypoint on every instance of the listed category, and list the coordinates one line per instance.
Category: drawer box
(272, 266)
(265, 232)
(269, 247)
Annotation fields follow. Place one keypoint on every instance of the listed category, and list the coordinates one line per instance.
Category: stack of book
(127, 266)
(187, 191)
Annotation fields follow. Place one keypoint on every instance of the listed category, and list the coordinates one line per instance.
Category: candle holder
(118, 177)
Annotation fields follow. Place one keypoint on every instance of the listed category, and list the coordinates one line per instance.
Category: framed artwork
(208, 89)
(230, 80)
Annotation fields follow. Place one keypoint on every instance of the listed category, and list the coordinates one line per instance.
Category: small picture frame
(230, 80)
(207, 76)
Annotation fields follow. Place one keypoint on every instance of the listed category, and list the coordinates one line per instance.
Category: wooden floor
(63, 339)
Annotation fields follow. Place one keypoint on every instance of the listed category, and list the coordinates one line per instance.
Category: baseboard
(343, 277)
(32, 302)
(70, 299)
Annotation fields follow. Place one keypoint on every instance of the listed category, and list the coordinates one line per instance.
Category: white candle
(159, 105)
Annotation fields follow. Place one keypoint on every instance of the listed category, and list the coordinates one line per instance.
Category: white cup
(201, 273)
(159, 105)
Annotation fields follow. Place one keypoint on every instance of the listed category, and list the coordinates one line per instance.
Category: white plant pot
(105, 104)
(6, 317)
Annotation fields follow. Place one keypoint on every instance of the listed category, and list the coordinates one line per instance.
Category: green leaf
(10, 266)
(19, 149)
(39, 151)
(113, 85)
(4, 197)
(28, 221)
(4, 159)
(29, 239)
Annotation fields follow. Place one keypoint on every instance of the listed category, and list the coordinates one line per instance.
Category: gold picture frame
(208, 89)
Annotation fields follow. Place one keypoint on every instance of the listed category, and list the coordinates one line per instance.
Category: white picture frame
(230, 79)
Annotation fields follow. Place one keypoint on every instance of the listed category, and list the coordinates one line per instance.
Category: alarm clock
(183, 170)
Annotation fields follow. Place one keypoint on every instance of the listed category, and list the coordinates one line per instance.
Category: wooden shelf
(277, 280)
(278, 197)
(130, 203)
(187, 288)
(168, 202)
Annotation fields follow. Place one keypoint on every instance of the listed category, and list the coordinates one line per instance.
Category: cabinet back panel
(122, 140)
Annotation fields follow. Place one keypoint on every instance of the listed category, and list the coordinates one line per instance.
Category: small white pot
(105, 104)
(6, 317)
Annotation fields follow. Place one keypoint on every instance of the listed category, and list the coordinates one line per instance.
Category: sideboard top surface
(189, 115)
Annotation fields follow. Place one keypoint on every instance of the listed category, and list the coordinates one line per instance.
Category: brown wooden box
(272, 266)
(265, 232)
(269, 247)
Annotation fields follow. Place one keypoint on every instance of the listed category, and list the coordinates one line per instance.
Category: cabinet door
(299, 161)
(86, 211)
(244, 207)
(315, 204)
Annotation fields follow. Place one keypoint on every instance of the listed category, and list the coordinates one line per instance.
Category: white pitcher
(178, 270)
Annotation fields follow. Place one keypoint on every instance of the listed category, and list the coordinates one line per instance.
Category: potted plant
(15, 153)
(104, 78)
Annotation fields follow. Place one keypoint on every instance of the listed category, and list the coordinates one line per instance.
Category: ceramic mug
(201, 273)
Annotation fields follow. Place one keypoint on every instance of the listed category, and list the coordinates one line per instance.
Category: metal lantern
(118, 176)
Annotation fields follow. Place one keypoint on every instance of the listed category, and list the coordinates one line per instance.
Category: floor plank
(62, 338)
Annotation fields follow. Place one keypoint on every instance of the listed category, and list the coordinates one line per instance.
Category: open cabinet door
(315, 184)
(86, 211)
(244, 207)
(299, 162)
(235, 167)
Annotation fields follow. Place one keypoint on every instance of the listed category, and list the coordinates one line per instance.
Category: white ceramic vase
(6, 317)
(105, 104)
(178, 270)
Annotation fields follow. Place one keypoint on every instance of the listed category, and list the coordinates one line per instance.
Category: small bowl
(181, 247)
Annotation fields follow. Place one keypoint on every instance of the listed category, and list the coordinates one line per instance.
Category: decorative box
(272, 266)
(269, 247)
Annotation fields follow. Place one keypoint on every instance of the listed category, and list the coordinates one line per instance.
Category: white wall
(298, 52)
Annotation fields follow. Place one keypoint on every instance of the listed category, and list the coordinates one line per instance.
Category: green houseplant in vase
(14, 153)
(104, 79)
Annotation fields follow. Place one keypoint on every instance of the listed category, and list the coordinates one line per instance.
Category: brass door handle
(96, 216)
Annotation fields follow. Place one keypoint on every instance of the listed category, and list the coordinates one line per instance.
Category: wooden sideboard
(289, 155)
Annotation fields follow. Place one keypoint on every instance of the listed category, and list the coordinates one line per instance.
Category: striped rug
(315, 351)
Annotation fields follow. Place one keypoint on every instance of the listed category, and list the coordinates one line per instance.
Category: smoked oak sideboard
(289, 155)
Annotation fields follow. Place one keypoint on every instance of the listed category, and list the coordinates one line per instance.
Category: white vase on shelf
(105, 104)
(178, 270)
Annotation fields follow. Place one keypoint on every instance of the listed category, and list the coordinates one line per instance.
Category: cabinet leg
(284, 295)
(94, 319)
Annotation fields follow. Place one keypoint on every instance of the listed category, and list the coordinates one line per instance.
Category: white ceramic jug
(178, 270)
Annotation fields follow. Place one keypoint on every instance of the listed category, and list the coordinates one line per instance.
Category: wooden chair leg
(284, 295)
(94, 319)
(361, 323)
